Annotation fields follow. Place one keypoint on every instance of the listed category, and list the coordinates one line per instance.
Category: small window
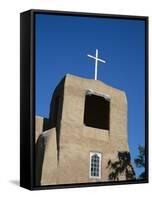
(95, 165)
(96, 112)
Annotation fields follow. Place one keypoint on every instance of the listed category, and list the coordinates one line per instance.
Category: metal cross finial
(96, 63)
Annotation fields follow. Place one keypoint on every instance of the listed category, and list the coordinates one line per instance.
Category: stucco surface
(68, 143)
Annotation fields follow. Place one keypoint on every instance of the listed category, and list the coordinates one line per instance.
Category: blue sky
(62, 45)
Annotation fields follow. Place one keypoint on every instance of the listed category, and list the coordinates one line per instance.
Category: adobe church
(85, 132)
(87, 127)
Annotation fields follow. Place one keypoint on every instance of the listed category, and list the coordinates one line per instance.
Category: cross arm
(103, 61)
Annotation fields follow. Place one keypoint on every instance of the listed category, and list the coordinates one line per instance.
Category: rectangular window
(96, 112)
(95, 165)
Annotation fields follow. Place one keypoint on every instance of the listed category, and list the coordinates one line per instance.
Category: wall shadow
(54, 121)
(39, 152)
(122, 166)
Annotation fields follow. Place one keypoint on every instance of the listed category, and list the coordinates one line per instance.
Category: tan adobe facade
(74, 145)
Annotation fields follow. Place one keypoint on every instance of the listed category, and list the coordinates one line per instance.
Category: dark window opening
(96, 112)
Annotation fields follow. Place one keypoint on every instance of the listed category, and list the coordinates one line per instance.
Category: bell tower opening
(96, 111)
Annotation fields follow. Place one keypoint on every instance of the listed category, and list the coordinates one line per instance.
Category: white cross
(96, 63)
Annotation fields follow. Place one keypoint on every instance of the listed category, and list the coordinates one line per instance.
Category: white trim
(90, 92)
(100, 156)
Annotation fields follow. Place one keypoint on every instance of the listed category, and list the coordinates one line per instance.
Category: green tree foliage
(140, 161)
(120, 167)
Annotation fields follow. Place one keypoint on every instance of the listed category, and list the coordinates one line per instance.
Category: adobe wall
(68, 147)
